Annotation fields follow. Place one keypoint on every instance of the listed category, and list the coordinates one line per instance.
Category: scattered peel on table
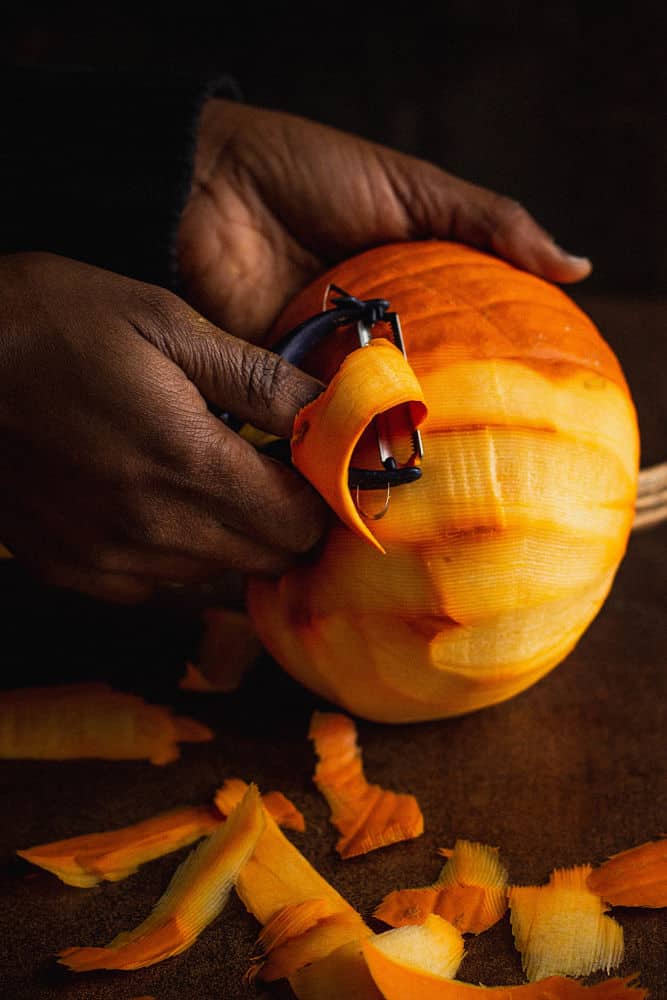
(89, 859)
(414, 961)
(436, 946)
(636, 877)
(228, 648)
(420, 960)
(284, 812)
(470, 892)
(291, 944)
(93, 720)
(274, 883)
(367, 816)
(195, 896)
(561, 928)
(341, 974)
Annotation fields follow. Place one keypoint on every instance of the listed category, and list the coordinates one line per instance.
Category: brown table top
(568, 772)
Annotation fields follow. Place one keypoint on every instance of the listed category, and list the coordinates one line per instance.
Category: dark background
(557, 106)
(565, 111)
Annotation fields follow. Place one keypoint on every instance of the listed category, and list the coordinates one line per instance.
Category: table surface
(570, 771)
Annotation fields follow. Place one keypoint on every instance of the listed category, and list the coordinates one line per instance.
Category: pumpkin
(484, 573)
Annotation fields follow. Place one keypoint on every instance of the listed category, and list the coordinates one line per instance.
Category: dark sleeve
(95, 165)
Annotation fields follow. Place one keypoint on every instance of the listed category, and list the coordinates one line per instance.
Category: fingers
(253, 384)
(117, 588)
(261, 498)
(509, 230)
(438, 204)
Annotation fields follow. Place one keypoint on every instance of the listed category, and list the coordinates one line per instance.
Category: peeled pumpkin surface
(499, 557)
(411, 962)
(562, 927)
(367, 816)
(470, 892)
(196, 894)
(69, 721)
(636, 877)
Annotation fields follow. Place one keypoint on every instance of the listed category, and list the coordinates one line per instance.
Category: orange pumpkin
(499, 557)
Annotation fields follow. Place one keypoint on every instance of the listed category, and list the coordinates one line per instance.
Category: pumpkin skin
(500, 556)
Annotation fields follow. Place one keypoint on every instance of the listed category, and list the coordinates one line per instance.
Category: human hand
(116, 475)
(277, 199)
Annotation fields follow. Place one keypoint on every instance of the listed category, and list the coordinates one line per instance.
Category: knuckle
(164, 316)
(508, 214)
(264, 376)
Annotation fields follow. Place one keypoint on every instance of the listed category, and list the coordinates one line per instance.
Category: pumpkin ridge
(517, 526)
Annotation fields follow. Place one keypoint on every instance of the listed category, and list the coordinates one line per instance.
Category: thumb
(249, 382)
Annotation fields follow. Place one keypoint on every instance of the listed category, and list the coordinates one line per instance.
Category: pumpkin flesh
(500, 556)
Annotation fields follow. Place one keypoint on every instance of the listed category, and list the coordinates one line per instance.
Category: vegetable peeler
(346, 310)
(365, 313)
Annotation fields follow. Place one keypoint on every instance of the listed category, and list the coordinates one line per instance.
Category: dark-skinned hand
(276, 199)
(117, 477)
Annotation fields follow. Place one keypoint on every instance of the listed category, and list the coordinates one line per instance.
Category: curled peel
(371, 380)
(367, 816)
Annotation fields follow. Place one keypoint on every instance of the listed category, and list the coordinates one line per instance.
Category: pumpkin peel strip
(420, 961)
(195, 896)
(89, 859)
(561, 928)
(69, 721)
(470, 892)
(371, 380)
(367, 816)
(86, 860)
(636, 877)
(283, 811)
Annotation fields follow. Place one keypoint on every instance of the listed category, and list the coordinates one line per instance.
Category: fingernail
(573, 257)
(576, 259)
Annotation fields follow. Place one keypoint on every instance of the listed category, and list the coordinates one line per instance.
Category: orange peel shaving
(279, 883)
(288, 943)
(70, 721)
(370, 381)
(195, 896)
(87, 860)
(636, 877)
(470, 892)
(284, 812)
(416, 961)
(228, 648)
(367, 816)
(561, 927)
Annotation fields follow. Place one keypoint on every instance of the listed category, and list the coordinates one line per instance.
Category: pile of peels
(315, 938)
